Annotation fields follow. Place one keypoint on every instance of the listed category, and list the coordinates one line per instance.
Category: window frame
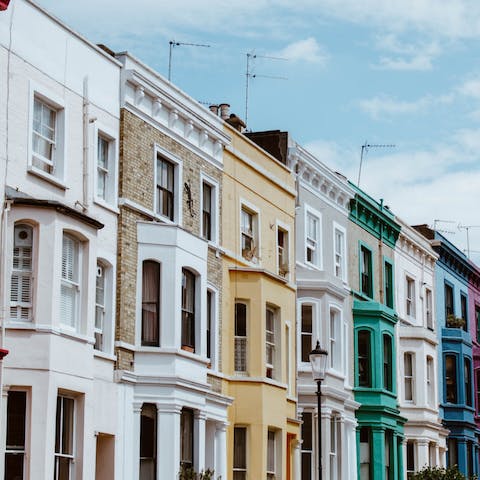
(410, 296)
(189, 313)
(271, 342)
(75, 285)
(108, 135)
(303, 333)
(409, 376)
(214, 207)
(187, 415)
(69, 456)
(240, 341)
(213, 333)
(251, 254)
(467, 381)
(307, 444)
(366, 290)
(272, 449)
(283, 251)
(449, 287)
(240, 471)
(177, 207)
(388, 282)
(336, 341)
(430, 381)
(368, 383)
(340, 264)
(29, 273)
(17, 450)
(153, 458)
(429, 309)
(144, 339)
(451, 387)
(464, 309)
(387, 360)
(314, 244)
(58, 163)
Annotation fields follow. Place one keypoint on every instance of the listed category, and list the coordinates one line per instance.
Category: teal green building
(372, 240)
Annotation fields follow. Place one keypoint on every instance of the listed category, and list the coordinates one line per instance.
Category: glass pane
(239, 448)
(67, 426)
(62, 468)
(14, 466)
(240, 320)
(16, 409)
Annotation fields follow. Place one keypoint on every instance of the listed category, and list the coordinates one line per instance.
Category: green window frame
(388, 285)
(366, 270)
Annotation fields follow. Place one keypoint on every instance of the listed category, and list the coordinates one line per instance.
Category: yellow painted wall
(260, 403)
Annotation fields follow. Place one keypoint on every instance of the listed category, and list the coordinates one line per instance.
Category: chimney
(236, 122)
(224, 110)
(214, 109)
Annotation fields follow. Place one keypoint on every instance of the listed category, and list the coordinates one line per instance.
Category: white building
(173, 412)
(59, 123)
(417, 351)
(324, 314)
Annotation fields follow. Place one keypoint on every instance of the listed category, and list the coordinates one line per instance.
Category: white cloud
(308, 50)
(419, 186)
(470, 88)
(406, 56)
(382, 105)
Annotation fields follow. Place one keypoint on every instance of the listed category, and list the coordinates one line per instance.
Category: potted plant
(455, 322)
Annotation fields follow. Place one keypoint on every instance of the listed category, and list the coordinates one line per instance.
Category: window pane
(364, 358)
(239, 448)
(150, 303)
(16, 410)
(186, 437)
(307, 314)
(451, 378)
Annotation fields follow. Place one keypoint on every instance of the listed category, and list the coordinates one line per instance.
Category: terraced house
(453, 275)
(258, 334)
(169, 281)
(59, 165)
(418, 349)
(372, 237)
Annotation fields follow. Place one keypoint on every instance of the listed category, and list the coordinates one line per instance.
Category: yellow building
(258, 332)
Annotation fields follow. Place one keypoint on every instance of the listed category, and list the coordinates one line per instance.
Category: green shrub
(437, 473)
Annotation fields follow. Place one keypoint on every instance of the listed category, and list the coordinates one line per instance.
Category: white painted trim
(319, 248)
(215, 215)
(344, 266)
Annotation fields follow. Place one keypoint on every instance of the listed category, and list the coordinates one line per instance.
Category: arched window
(21, 288)
(364, 358)
(150, 303)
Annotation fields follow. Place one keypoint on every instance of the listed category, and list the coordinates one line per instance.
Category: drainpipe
(3, 317)
(86, 146)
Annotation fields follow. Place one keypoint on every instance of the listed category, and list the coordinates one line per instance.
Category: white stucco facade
(59, 96)
(324, 314)
(417, 363)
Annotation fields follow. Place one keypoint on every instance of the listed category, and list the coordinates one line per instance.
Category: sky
(335, 74)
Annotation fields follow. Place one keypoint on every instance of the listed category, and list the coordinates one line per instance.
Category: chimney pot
(214, 109)
(224, 111)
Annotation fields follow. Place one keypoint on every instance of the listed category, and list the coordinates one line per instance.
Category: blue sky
(403, 72)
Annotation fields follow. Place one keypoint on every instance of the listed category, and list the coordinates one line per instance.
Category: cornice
(319, 178)
(374, 218)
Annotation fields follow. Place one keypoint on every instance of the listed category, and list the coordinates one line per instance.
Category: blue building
(452, 273)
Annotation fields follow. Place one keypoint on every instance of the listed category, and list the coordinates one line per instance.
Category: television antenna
(172, 45)
(250, 75)
(364, 149)
(467, 229)
(436, 221)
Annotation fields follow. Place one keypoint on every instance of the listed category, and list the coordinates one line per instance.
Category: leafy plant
(438, 473)
(189, 473)
(455, 322)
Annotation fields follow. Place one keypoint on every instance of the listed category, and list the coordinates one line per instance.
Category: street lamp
(318, 360)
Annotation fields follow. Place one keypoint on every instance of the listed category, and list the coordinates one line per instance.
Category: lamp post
(318, 360)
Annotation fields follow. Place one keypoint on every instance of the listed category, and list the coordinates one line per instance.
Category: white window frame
(430, 381)
(214, 214)
(315, 244)
(335, 340)
(254, 211)
(409, 378)
(214, 340)
(56, 103)
(283, 268)
(110, 198)
(73, 284)
(311, 302)
(340, 264)
(177, 185)
(271, 342)
(272, 437)
(108, 306)
(70, 457)
(24, 274)
(429, 317)
(410, 296)
(335, 441)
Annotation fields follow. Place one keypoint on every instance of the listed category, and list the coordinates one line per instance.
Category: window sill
(47, 177)
(107, 206)
(313, 266)
(104, 355)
